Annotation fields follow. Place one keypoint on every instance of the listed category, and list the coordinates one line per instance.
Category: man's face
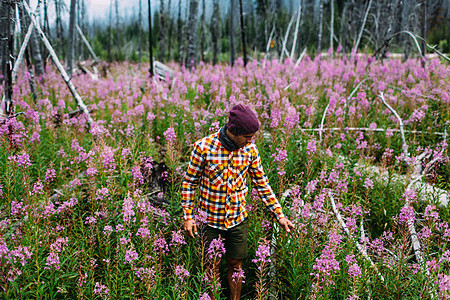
(242, 140)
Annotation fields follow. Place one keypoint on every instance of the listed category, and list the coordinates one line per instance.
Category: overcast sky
(98, 10)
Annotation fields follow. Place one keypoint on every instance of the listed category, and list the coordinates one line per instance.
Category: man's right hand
(190, 227)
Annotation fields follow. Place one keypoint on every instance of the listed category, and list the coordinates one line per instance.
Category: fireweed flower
(216, 248)
(311, 148)
(18, 209)
(311, 186)
(101, 289)
(263, 252)
(107, 230)
(52, 261)
(170, 135)
(90, 220)
(143, 231)
(205, 296)
(444, 285)
(91, 171)
(354, 271)
(177, 239)
(127, 208)
(238, 276)
(101, 193)
(50, 174)
(131, 256)
(181, 273)
(137, 175)
(406, 214)
(124, 241)
(431, 214)
(22, 160)
(160, 245)
(126, 152)
(145, 274)
(368, 184)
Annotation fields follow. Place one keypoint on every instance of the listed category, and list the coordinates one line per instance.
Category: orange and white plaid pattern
(221, 177)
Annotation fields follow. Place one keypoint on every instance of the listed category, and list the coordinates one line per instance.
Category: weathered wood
(21, 53)
(400, 121)
(60, 68)
(286, 38)
(363, 25)
(86, 42)
(361, 249)
(244, 48)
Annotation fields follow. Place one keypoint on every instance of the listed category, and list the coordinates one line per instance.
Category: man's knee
(235, 264)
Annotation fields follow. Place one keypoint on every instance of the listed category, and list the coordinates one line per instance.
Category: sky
(98, 10)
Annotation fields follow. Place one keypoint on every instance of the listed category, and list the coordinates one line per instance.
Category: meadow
(94, 212)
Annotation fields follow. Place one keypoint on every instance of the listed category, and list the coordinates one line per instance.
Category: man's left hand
(286, 224)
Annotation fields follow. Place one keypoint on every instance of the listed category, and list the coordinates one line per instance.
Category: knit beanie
(242, 120)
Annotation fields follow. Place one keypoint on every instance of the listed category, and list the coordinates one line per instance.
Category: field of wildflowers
(96, 213)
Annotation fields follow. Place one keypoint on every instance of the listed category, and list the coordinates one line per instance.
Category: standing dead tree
(244, 48)
(319, 36)
(232, 54)
(192, 39)
(162, 31)
(71, 39)
(180, 34)
(202, 32)
(214, 30)
(332, 27)
(356, 46)
(117, 28)
(7, 53)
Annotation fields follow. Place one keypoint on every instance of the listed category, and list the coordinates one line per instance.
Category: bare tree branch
(400, 121)
(360, 248)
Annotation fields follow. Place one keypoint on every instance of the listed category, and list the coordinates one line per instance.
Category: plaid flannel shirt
(221, 176)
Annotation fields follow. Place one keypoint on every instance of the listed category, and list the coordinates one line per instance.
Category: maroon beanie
(242, 120)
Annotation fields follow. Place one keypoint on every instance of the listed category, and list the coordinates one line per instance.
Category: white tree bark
(55, 59)
(363, 25)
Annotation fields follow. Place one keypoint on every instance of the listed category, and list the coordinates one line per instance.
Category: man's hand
(190, 227)
(286, 224)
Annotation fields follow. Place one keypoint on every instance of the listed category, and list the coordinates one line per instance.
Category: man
(219, 166)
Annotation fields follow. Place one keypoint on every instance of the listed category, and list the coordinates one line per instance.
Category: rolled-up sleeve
(191, 181)
(261, 183)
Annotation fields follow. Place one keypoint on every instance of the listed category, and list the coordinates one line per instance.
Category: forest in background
(222, 28)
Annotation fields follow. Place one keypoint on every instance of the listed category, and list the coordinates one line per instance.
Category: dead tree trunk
(202, 36)
(59, 28)
(424, 27)
(319, 36)
(46, 24)
(214, 29)
(118, 28)
(110, 32)
(332, 27)
(26, 50)
(71, 38)
(180, 34)
(232, 54)
(34, 49)
(192, 42)
(170, 30)
(150, 38)
(244, 48)
(363, 26)
(140, 33)
(162, 31)
(8, 44)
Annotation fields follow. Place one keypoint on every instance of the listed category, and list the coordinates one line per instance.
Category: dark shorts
(235, 239)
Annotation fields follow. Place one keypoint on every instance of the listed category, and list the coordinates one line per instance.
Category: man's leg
(235, 284)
